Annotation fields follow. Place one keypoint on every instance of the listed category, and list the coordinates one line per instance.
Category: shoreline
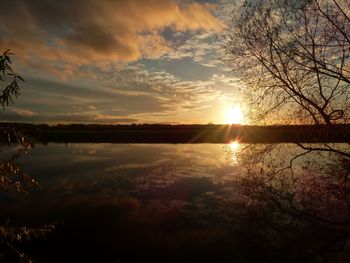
(155, 133)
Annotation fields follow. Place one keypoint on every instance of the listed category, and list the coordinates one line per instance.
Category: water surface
(170, 202)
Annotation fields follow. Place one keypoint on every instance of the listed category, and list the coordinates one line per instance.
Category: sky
(135, 61)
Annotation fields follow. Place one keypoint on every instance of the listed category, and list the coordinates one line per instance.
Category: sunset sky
(137, 61)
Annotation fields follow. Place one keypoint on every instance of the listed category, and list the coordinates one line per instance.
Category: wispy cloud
(133, 94)
(117, 61)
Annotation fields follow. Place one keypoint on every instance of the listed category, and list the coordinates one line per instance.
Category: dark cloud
(95, 32)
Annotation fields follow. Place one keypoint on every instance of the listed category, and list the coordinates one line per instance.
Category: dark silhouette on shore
(158, 133)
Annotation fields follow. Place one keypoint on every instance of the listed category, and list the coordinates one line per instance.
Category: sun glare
(234, 146)
(234, 115)
(233, 149)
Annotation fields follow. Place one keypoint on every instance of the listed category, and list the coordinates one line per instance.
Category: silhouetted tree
(10, 77)
(12, 176)
(293, 58)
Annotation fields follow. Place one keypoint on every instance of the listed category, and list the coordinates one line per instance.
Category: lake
(184, 203)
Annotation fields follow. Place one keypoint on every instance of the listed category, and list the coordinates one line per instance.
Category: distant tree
(293, 58)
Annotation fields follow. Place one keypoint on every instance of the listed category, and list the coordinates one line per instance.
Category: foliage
(6, 71)
(11, 235)
(294, 60)
(12, 176)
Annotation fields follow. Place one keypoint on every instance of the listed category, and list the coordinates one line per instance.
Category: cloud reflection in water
(164, 201)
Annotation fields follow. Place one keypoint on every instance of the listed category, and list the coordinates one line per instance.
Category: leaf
(7, 58)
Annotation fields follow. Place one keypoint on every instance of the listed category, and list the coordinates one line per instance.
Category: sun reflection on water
(231, 152)
(234, 146)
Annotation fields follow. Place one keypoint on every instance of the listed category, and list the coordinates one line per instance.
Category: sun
(234, 115)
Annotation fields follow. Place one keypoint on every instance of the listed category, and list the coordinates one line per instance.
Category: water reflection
(233, 152)
(300, 197)
(228, 203)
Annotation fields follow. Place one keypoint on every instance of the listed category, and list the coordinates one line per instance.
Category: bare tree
(294, 60)
(293, 57)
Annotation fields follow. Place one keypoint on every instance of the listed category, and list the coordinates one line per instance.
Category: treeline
(184, 133)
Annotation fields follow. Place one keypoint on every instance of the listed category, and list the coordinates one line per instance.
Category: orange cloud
(85, 32)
